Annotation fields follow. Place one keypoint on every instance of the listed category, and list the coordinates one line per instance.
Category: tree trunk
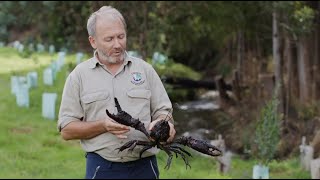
(240, 54)
(277, 60)
(316, 63)
(314, 67)
(258, 47)
(303, 70)
(236, 85)
(294, 84)
(288, 59)
(224, 99)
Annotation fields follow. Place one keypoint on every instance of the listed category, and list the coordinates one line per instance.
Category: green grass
(203, 167)
(31, 146)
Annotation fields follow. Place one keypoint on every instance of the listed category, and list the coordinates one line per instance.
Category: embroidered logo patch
(137, 78)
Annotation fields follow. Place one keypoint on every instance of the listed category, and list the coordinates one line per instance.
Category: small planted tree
(267, 137)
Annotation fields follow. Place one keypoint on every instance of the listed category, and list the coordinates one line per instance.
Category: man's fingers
(119, 133)
(117, 126)
(116, 132)
(151, 125)
(116, 129)
(121, 127)
(172, 132)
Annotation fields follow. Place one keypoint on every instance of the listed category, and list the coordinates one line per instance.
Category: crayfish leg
(127, 145)
(179, 151)
(169, 158)
(144, 149)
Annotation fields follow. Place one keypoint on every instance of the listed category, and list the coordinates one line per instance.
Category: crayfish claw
(109, 114)
(215, 151)
(117, 104)
(199, 145)
(122, 117)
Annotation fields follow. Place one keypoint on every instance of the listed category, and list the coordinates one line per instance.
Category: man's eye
(108, 39)
(121, 36)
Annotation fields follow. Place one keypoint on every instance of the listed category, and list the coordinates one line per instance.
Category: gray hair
(91, 24)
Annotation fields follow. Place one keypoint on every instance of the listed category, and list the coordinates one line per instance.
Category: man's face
(110, 39)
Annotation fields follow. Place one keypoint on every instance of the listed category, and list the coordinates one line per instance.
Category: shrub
(267, 134)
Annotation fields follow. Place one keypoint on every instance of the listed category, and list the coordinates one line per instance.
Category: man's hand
(115, 128)
(172, 132)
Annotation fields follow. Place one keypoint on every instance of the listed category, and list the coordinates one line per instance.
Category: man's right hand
(115, 128)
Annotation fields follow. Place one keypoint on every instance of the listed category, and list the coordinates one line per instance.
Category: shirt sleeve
(70, 108)
(160, 103)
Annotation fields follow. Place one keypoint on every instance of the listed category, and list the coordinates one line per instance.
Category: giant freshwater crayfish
(158, 138)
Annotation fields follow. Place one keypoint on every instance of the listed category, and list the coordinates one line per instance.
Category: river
(200, 118)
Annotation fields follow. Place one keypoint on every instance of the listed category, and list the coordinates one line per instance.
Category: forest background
(261, 42)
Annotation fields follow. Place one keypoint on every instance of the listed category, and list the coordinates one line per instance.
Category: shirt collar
(95, 61)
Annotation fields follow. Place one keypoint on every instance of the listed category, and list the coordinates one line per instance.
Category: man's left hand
(172, 132)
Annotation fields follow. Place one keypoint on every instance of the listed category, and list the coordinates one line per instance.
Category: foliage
(171, 68)
(192, 33)
(198, 31)
(299, 19)
(224, 70)
(180, 95)
(307, 112)
(303, 17)
(267, 134)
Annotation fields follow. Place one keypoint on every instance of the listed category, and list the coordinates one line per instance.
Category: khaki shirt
(90, 90)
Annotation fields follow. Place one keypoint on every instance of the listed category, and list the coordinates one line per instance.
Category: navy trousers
(100, 168)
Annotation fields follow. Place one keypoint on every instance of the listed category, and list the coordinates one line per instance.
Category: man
(90, 90)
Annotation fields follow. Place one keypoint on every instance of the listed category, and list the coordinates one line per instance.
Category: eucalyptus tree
(297, 23)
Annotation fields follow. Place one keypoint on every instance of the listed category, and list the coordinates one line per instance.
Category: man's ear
(92, 42)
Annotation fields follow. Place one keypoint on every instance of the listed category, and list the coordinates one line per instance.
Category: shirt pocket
(95, 104)
(139, 99)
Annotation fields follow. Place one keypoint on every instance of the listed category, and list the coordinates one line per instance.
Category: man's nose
(116, 43)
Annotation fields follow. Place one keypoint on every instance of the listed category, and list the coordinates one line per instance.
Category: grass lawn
(31, 146)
